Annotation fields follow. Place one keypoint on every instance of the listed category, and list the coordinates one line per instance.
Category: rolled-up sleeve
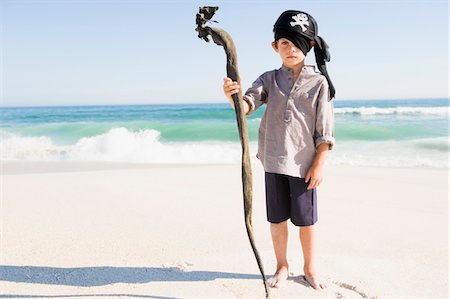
(256, 95)
(324, 132)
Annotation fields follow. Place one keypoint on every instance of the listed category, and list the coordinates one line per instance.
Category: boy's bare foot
(279, 278)
(315, 282)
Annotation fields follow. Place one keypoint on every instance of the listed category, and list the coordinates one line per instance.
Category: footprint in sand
(346, 290)
(342, 290)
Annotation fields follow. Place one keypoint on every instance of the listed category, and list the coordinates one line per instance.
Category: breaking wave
(146, 146)
(122, 145)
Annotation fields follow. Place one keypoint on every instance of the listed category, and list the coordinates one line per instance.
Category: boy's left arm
(323, 136)
(315, 173)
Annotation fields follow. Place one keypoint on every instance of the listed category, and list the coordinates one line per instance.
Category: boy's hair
(300, 28)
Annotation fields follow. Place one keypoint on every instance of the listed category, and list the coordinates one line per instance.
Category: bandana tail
(322, 56)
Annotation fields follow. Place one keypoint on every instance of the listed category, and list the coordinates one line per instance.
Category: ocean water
(394, 133)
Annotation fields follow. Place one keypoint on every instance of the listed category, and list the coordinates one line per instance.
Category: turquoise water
(393, 132)
(201, 122)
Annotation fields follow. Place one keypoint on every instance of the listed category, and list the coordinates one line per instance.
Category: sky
(103, 52)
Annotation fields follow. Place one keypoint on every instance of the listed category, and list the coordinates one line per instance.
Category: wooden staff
(222, 38)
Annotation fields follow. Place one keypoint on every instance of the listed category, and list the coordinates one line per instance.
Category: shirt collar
(305, 69)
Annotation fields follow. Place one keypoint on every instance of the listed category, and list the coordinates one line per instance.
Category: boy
(295, 134)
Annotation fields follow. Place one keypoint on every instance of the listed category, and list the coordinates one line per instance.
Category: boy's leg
(304, 215)
(278, 212)
(307, 239)
(279, 232)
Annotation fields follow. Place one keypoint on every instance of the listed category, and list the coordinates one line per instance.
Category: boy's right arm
(231, 87)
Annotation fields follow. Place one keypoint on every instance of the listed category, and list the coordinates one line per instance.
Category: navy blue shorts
(288, 197)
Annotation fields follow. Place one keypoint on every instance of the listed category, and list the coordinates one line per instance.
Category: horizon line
(204, 103)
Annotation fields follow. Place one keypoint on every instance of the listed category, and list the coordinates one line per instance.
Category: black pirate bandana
(297, 22)
(301, 28)
(299, 41)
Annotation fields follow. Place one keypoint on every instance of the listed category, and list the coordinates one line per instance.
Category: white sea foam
(438, 111)
(120, 144)
(146, 146)
(427, 152)
(30, 148)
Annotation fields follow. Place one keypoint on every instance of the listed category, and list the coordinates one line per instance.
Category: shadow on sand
(99, 276)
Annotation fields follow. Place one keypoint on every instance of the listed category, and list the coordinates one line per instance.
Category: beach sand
(86, 230)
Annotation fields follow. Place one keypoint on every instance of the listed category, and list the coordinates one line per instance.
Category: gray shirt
(298, 118)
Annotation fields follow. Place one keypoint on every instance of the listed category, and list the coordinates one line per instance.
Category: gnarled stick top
(204, 15)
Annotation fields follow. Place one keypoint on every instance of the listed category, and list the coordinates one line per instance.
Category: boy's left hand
(314, 176)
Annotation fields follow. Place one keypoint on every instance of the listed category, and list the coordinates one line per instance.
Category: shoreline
(9, 167)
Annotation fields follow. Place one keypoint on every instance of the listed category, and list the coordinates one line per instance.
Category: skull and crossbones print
(302, 20)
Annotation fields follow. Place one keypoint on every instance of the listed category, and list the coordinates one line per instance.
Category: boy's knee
(279, 227)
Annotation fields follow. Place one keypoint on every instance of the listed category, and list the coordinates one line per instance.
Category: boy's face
(289, 53)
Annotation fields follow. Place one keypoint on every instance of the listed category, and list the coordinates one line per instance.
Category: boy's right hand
(230, 87)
